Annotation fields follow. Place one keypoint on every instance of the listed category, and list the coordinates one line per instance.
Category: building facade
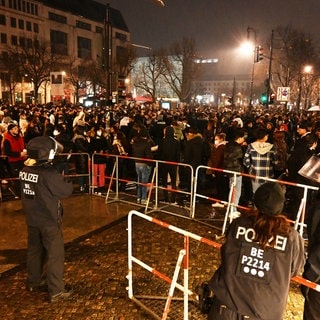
(221, 90)
(77, 33)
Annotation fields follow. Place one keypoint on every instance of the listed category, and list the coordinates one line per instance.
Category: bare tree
(94, 74)
(181, 69)
(12, 75)
(293, 51)
(149, 73)
(76, 75)
(35, 62)
(125, 58)
(122, 66)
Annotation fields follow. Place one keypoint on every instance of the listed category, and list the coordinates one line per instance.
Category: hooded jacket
(260, 158)
(169, 147)
(194, 151)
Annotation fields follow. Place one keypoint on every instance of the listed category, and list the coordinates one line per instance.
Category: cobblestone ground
(96, 267)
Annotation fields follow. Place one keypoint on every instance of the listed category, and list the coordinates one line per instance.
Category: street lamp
(108, 51)
(270, 69)
(308, 71)
(251, 31)
(302, 84)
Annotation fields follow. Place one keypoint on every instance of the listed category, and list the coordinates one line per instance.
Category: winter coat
(169, 147)
(296, 161)
(254, 281)
(141, 148)
(233, 157)
(99, 144)
(194, 152)
(42, 187)
(260, 158)
(81, 146)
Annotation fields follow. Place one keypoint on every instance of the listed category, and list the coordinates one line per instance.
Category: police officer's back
(42, 187)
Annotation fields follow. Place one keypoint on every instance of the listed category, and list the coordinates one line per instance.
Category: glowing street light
(251, 31)
(161, 2)
(308, 69)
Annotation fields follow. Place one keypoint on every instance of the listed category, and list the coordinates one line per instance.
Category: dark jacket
(296, 161)
(312, 267)
(233, 157)
(194, 152)
(141, 148)
(81, 145)
(169, 147)
(42, 187)
(99, 144)
(254, 281)
(65, 140)
(217, 156)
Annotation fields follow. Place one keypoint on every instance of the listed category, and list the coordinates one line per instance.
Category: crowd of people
(272, 144)
(263, 143)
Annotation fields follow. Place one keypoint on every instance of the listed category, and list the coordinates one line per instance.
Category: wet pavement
(96, 263)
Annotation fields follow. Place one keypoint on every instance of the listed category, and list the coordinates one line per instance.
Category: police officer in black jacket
(261, 253)
(42, 187)
(312, 266)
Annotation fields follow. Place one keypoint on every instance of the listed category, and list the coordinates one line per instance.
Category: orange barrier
(299, 222)
(153, 186)
(184, 253)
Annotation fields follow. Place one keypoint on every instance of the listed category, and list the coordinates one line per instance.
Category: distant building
(221, 89)
(76, 30)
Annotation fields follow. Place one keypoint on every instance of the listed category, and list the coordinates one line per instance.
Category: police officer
(42, 187)
(261, 254)
(312, 266)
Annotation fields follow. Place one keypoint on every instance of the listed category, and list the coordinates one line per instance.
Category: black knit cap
(12, 124)
(269, 198)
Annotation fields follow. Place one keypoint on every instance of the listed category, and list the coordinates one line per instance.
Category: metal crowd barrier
(298, 223)
(154, 186)
(183, 258)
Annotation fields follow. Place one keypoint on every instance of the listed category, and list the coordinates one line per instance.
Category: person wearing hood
(195, 155)
(260, 158)
(169, 150)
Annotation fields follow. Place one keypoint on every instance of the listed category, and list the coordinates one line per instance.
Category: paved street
(96, 263)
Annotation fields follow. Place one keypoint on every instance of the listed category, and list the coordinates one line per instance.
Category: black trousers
(172, 171)
(46, 251)
(219, 311)
(311, 305)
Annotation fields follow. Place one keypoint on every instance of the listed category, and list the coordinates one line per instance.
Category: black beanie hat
(12, 125)
(269, 198)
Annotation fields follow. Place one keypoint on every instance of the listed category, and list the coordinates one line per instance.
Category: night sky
(218, 26)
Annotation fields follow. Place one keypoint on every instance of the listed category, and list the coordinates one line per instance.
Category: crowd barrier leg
(156, 177)
(231, 198)
(173, 284)
(186, 278)
(150, 189)
(183, 254)
(110, 183)
(299, 223)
